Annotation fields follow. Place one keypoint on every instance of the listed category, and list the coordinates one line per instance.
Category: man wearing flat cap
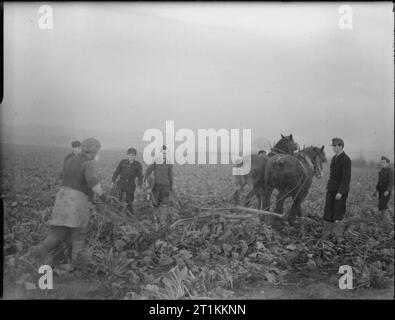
(76, 150)
(163, 178)
(337, 191)
(384, 187)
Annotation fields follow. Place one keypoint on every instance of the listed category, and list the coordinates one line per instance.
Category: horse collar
(277, 151)
(308, 160)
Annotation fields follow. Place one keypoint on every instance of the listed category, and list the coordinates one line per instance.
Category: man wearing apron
(71, 212)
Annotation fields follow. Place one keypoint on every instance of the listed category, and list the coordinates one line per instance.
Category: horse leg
(296, 209)
(236, 195)
(265, 200)
(259, 197)
(280, 198)
(248, 197)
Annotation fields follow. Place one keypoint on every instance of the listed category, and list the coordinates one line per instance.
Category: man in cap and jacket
(71, 212)
(128, 170)
(163, 178)
(76, 149)
(337, 191)
(384, 188)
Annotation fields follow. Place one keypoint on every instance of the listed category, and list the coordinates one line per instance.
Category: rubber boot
(387, 216)
(41, 251)
(327, 230)
(79, 256)
(339, 230)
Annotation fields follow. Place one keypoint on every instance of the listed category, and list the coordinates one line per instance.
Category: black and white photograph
(205, 151)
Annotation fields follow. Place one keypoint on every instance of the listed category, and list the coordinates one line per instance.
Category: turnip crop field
(211, 258)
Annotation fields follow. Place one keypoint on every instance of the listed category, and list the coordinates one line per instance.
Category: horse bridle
(312, 165)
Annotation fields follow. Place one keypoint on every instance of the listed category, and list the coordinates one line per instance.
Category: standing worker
(337, 191)
(128, 170)
(163, 179)
(384, 188)
(71, 212)
(76, 149)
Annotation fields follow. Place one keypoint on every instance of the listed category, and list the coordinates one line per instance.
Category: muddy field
(211, 258)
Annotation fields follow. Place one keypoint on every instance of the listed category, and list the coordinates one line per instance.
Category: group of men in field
(129, 171)
(80, 182)
(338, 188)
(71, 212)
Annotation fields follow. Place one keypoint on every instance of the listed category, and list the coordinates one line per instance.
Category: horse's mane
(312, 151)
(282, 145)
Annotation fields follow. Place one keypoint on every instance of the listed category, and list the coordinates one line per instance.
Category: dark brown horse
(255, 178)
(292, 176)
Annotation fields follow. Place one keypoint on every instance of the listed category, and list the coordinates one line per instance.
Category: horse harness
(277, 151)
(309, 163)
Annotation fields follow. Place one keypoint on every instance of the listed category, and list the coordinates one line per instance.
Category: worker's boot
(388, 217)
(339, 231)
(41, 252)
(79, 255)
(327, 230)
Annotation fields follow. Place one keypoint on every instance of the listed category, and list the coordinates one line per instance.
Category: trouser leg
(328, 223)
(329, 206)
(130, 199)
(79, 255)
(164, 194)
(339, 213)
(120, 195)
(156, 192)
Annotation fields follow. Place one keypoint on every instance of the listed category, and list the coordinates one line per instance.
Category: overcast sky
(273, 68)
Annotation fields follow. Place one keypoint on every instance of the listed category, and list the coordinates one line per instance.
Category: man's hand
(386, 193)
(338, 196)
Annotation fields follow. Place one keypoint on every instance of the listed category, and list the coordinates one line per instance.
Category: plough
(148, 195)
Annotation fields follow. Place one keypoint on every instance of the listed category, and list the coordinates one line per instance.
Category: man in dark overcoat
(337, 188)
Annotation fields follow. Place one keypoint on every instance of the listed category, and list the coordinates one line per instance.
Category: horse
(292, 176)
(255, 178)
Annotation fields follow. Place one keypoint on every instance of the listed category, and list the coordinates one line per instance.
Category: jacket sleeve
(391, 180)
(346, 176)
(377, 184)
(117, 172)
(90, 173)
(170, 172)
(140, 175)
(64, 161)
(149, 170)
